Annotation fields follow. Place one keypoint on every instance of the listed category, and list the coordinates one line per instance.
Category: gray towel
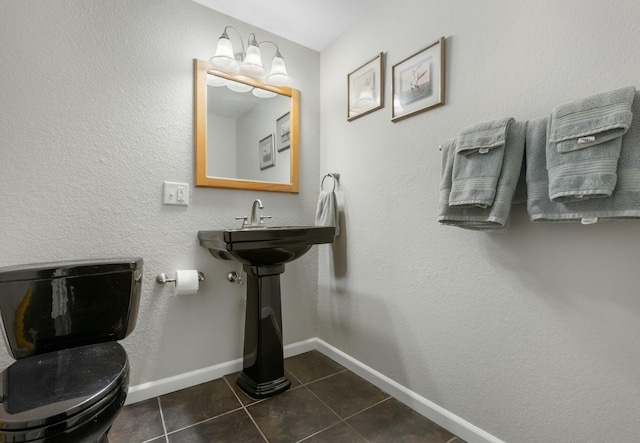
(496, 217)
(327, 211)
(477, 163)
(593, 120)
(584, 142)
(624, 203)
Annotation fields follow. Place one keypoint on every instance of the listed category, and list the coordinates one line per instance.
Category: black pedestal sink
(263, 253)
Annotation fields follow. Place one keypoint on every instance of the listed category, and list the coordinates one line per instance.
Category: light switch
(176, 193)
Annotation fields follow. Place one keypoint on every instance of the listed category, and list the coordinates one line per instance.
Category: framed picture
(266, 152)
(283, 132)
(365, 88)
(418, 82)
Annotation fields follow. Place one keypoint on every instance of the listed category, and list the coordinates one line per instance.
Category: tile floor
(326, 403)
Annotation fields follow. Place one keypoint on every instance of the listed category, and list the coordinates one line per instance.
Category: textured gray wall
(533, 335)
(96, 112)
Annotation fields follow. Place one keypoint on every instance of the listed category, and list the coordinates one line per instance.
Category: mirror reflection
(246, 133)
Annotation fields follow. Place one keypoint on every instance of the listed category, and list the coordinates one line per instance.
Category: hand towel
(592, 120)
(624, 203)
(520, 195)
(327, 211)
(494, 218)
(583, 146)
(584, 174)
(478, 162)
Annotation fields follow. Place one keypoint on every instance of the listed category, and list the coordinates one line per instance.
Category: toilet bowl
(61, 322)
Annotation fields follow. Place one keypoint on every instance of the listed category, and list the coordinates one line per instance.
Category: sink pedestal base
(263, 361)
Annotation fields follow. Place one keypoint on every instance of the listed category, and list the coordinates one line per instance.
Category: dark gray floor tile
(291, 416)
(341, 433)
(197, 403)
(246, 399)
(233, 427)
(393, 421)
(293, 379)
(311, 366)
(137, 423)
(346, 393)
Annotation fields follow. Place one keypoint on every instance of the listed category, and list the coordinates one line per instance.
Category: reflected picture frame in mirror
(202, 179)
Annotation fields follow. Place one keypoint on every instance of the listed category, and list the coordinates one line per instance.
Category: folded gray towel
(593, 120)
(624, 203)
(327, 211)
(583, 174)
(496, 217)
(520, 195)
(584, 142)
(537, 176)
(478, 162)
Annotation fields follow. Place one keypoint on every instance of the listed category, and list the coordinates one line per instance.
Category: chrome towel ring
(335, 176)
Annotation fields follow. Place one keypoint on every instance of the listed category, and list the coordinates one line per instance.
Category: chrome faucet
(253, 222)
(257, 204)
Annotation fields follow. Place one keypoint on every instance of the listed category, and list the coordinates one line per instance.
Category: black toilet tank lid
(67, 269)
(52, 387)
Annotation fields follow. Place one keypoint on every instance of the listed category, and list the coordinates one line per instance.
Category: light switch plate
(175, 193)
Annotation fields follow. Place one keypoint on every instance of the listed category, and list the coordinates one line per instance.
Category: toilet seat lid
(49, 388)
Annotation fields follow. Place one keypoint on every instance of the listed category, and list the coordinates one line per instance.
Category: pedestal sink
(263, 253)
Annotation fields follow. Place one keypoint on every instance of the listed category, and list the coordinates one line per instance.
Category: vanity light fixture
(249, 62)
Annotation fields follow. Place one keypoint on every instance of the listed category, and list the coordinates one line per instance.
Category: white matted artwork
(418, 82)
(365, 88)
(283, 132)
(266, 152)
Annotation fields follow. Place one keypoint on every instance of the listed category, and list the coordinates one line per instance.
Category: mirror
(244, 140)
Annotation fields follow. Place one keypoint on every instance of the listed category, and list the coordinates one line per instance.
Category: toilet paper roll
(187, 282)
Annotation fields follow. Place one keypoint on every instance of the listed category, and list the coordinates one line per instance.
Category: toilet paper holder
(164, 278)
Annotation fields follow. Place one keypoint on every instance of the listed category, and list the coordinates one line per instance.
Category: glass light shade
(278, 75)
(224, 58)
(263, 93)
(253, 62)
(214, 80)
(238, 87)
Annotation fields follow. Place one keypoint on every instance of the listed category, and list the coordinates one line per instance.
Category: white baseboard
(435, 413)
(163, 386)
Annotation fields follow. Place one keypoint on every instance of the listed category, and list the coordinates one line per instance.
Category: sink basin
(269, 246)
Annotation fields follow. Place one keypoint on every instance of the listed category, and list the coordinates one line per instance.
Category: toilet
(61, 322)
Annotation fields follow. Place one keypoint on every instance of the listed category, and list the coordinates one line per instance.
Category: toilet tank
(53, 306)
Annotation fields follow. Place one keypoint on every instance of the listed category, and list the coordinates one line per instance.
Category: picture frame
(267, 152)
(418, 81)
(283, 132)
(365, 88)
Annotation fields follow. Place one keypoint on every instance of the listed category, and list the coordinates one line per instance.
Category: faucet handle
(244, 220)
(262, 217)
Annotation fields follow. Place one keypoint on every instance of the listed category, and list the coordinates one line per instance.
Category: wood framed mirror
(246, 132)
